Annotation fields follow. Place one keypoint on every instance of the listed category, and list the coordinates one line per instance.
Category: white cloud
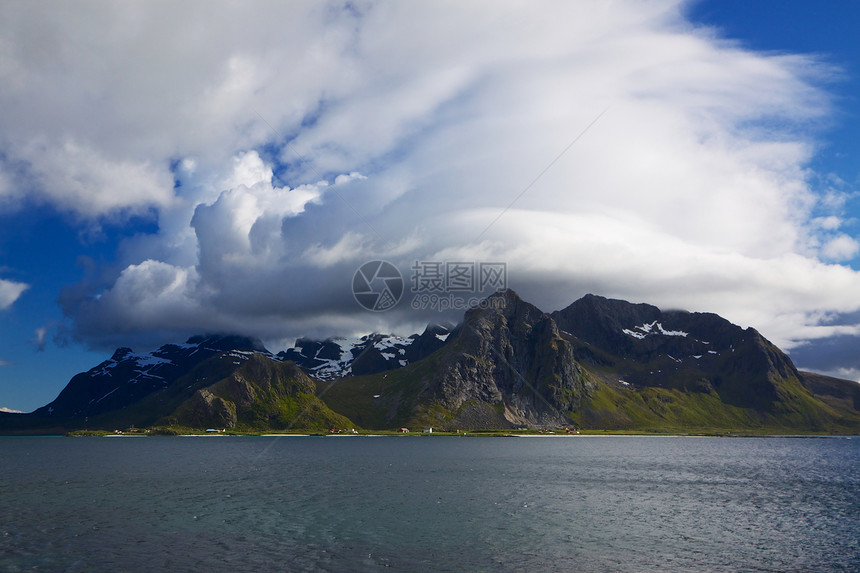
(840, 248)
(99, 99)
(350, 245)
(242, 228)
(828, 223)
(10, 411)
(10, 291)
(83, 180)
(147, 294)
(845, 373)
(692, 190)
(39, 339)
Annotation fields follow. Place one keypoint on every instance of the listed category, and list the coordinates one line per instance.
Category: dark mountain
(841, 394)
(690, 351)
(338, 357)
(218, 381)
(261, 394)
(128, 377)
(597, 364)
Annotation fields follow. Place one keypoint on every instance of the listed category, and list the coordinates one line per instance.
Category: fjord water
(429, 504)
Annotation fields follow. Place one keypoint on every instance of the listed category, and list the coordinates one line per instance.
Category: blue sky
(826, 29)
(165, 172)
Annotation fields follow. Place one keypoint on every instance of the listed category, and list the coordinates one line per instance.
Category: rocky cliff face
(206, 410)
(509, 354)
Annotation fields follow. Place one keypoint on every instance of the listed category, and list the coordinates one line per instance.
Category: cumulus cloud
(283, 148)
(10, 291)
(80, 179)
(840, 248)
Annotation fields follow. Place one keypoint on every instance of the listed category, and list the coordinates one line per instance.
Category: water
(429, 504)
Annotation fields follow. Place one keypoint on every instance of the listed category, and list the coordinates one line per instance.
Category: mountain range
(596, 364)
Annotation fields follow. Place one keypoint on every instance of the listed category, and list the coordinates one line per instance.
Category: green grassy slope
(614, 406)
(262, 394)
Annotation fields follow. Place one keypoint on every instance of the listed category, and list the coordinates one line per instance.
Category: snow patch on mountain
(390, 347)
(337, 357)
(650, 329)
(146, 360)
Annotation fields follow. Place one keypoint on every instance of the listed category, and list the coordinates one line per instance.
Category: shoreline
(467, 434)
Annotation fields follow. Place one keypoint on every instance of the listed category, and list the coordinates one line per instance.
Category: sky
(170, 169)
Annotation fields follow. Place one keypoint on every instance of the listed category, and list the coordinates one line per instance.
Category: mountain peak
(505, 303)
(679, 349)
(509, 354)
(121, 353)
(336, 357)
(226, 342)
(617, 309)
(507, 294)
